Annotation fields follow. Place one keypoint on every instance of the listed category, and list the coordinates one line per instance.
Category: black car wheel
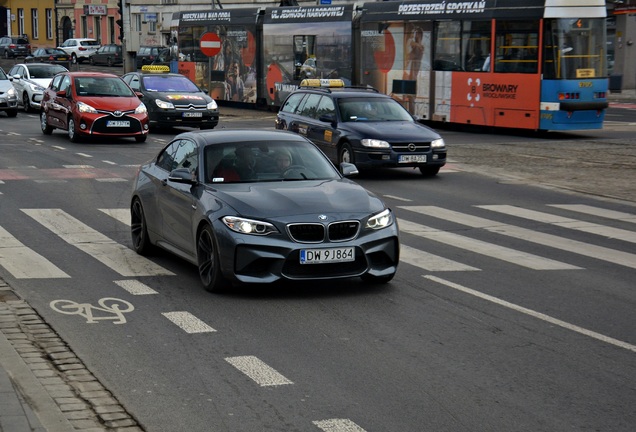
(46, 129)
(91, 61)
(12, 112)
(109, 61)
(6, 54)
(208, 259)
(429, 171)
(139, 229)
(72, 130)
(73, 58)
(345, 154)
(141, 138)
(25, 102)
(377, 279)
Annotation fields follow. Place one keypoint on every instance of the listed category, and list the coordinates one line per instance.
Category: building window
(49, 23)
(111, 29)
(34, 23)
(97, 26)
(137, 22)
(152, 26)
(21, 22)
(84, 27)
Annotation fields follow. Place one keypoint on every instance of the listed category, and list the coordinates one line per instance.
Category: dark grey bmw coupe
(261, 206)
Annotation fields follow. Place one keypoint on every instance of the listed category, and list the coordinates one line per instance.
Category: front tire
(429, 171)
(46, 129)
(26, 102)
(377, 280)
(73, 136)
(139, 229)
(141, 138)
(12, 112)
(208, 260)
(345, 154)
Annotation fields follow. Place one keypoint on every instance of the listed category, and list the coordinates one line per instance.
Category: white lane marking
(488, 249)
(258, 371)
(575, 224)
(534, 314)
(430, 262)
(109, 162)
(549, 240)
(24, 263)
(135, 287)
(112, 180)
(338, 425)
(595, 211)
(398, 198)
(188, 322)
(122, 215)
(84, 155)
(59, 147)
(78, 166)
(114, 255)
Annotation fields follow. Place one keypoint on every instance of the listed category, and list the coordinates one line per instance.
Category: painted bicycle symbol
(113, 308)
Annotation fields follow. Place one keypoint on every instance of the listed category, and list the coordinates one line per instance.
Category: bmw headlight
(381, 220)
(85, 108)
(212, 105)
(164, 104)
(375, 143)
(248, 226)
(141, 109)
(438, 143)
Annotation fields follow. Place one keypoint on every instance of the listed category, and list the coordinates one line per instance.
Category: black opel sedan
(361, 126)
(258, 207)
(173, 99)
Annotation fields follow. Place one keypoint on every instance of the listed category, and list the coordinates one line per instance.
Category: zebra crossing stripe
(113, 255)
(430, 262)
(575, 224)
(338, 425)
(122, 215)
(258, 371)
(595, 211)
(523, 259)
(188, 322)
(549, 240)
(24, 263)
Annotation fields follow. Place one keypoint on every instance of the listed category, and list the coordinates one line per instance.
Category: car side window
(311, 106)
(182, 153)
(325, 106)
(55, 84)
(65, 84)
(134, 82)
(292, 102)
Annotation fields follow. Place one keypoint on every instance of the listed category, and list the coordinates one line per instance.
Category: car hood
(5, 85)
(111, 103)
(42, 82)
(392, 131)
(280, 199)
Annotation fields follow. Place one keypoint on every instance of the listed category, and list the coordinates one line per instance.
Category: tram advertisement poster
(304, 42)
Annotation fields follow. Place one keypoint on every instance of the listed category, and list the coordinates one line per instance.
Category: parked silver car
(8, 96)
(30, 80)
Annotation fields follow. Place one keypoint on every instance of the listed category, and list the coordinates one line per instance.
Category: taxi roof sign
(155, 68)
(320, 82)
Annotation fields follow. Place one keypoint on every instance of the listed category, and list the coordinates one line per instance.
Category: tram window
(516, 46)
(476, 45)
(447, 46)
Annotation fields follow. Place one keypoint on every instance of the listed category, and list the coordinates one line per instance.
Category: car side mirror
(139, 94)
(182, 175)
(348, 169)
(14, 77)
(61, 93)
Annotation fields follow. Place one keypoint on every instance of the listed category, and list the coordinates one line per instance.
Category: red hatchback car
(93, 104)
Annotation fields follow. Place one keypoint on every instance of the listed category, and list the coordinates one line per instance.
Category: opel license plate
(326, 256)
(117, 123)
(412, 158)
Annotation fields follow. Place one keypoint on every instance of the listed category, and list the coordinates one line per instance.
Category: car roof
(229, 136)
(73, 74)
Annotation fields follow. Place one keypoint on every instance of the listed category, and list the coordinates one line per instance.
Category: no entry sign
(210, 44)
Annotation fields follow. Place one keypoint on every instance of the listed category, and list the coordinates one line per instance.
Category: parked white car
(79, 49)
(30, 80)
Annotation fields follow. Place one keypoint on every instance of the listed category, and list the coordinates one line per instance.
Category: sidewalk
(44, 387)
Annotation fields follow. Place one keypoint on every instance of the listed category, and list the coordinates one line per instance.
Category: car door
(18, 83)
(176, 202)
(60, 106)
(324, 133)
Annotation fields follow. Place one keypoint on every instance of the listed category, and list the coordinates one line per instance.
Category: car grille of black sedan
(419, 147)
(100, 125)
(315, 232)
(190, 107)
